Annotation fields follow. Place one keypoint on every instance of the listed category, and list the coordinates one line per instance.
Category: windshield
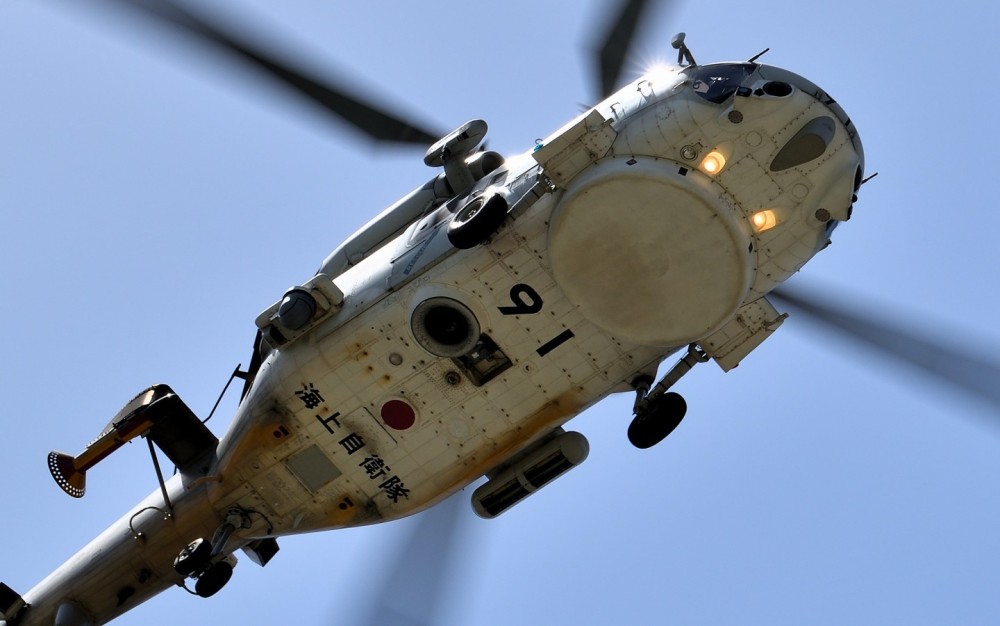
(716, 83)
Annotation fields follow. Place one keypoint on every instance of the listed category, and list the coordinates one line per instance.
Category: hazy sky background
(155, 198)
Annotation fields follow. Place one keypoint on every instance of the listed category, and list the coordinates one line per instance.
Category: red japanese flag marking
(398, 415)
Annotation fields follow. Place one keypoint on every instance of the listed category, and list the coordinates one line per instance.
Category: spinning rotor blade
(334, 99)
(971, 374)
(615, 45)
(413, 592)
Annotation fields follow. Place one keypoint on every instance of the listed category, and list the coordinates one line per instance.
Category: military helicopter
(519, 301)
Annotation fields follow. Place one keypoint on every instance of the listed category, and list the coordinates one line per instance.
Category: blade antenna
(754, 58)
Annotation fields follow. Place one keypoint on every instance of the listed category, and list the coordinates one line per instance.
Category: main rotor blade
(617, 42)
(940, 357)
(413, 592)
(371, 120)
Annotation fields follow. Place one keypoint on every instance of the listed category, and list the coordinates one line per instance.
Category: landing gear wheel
(214, 579)
(477, 221)
(657, 421)
(193, 558)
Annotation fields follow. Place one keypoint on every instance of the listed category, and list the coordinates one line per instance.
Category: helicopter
(524, 299)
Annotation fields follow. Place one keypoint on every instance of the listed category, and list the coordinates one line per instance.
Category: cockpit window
(716, 83)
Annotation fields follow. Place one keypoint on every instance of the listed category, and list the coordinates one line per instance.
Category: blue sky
(154, 199)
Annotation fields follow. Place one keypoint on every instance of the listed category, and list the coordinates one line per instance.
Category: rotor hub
(650, 251)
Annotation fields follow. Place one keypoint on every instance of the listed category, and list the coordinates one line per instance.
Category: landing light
(713, 163)
(764, 220)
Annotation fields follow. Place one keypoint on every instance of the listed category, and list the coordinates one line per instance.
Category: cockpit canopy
(717, 82)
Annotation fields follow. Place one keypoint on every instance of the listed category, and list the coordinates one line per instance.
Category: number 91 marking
(526, 301)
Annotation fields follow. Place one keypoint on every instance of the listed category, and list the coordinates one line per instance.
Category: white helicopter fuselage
(660, 218)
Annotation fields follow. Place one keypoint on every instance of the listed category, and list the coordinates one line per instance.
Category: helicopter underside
(443, 365)
(373, 427)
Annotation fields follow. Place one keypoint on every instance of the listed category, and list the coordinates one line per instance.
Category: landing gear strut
(657, 411)
(201, 559)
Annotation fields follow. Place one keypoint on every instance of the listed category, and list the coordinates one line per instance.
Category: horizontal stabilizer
(157, 413)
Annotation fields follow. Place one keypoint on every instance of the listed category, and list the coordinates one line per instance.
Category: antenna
(754, 58)
(683, 52)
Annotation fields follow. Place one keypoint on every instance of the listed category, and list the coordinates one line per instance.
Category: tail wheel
(477, 221)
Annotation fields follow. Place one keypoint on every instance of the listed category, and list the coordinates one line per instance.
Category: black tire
(477, 221)
(193, 558)
(657, 421)
(214, 579)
